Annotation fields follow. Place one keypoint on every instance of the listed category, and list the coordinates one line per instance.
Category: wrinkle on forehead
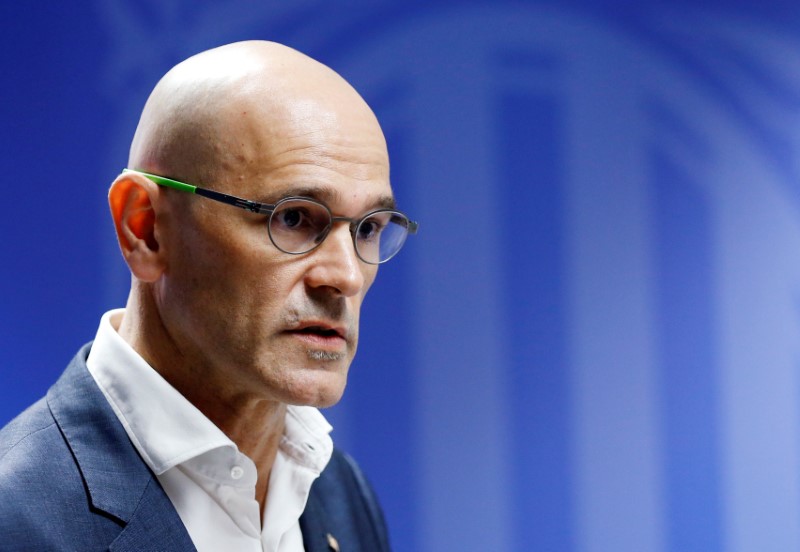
(326, 195)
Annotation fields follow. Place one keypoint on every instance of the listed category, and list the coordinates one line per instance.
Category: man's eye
(369, 229)
(291, 218)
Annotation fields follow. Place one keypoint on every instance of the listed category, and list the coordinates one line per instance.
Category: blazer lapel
(315, 527)
(117, 480)
(152, 528)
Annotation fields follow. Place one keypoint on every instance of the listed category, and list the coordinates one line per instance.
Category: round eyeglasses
(298, 225)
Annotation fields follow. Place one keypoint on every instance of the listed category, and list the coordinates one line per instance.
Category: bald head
(223, 110)
(212, 293)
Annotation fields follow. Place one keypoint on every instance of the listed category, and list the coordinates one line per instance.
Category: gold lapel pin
(333, 543)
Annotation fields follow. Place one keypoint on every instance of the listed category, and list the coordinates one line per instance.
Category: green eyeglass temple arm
(253, 206)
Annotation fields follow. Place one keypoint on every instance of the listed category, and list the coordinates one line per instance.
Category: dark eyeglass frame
(270, 208)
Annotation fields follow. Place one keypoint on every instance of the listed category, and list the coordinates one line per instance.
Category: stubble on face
(324, 356)
(333, 311)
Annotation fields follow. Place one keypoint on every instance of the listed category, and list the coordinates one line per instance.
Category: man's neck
(257, 429)
(256, 425)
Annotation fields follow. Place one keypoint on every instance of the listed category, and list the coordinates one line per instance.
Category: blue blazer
(71, 480)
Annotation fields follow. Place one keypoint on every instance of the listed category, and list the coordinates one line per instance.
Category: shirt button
(237, 472)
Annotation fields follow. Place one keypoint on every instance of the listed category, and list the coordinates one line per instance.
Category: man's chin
(319, 398)
(319, 388)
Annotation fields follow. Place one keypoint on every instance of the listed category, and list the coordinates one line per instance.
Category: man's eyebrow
(327, 196)
(386, 202)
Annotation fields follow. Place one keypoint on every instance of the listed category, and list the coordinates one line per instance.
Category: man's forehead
(364, 197)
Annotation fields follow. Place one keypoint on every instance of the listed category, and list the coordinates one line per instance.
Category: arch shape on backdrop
(547, 386)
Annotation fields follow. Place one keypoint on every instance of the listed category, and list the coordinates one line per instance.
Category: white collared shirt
(210, 483)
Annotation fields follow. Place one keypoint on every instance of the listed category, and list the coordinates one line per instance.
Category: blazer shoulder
(46, 496)
(18, 431)
(37, 470)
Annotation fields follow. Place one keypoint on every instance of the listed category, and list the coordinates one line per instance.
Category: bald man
(253, 215)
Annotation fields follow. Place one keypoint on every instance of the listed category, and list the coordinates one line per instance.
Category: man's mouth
(321, 336)
(318, 330)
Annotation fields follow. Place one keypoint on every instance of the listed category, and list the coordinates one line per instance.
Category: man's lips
(321, 333)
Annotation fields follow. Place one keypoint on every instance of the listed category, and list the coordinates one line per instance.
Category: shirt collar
(165, 427)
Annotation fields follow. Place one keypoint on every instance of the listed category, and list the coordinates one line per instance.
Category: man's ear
(133, 199)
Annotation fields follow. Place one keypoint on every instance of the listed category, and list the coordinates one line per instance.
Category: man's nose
(336, 264)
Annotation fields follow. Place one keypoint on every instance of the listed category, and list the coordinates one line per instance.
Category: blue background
(594, 342)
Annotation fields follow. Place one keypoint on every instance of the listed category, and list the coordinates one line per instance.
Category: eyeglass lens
(299, 225)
